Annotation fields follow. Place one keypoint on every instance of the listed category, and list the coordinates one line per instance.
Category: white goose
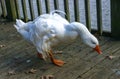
(49, 30)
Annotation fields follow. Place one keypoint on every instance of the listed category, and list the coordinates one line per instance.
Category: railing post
(47, 3)
(66, 6)
(0, 10)
(3, 12)
(76, 10)
(24, 10)
(17, 9)
(56, 4)
(11, 11)
(39, 7)
(99, 16)
(115, 18)
(31, 9)
(87, 14)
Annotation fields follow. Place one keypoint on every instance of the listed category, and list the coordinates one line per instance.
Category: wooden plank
(87, 14)
(56, 4)
(115, 11)
(31, 9)
(39, 7)
(0, 9)
(66, 7)
(115, 68)
(10, 52)
(97, 72)
(79, 54)
(107, 50)
(76, 10)
(72, 71)
(17, 9)
(76, 67)
(105, 65)
(89, 51)
(116, 75)
(11, 11)
(24, 10)
(4, 13)
(73, 56)
(47, 4)
(112, 63)
(99, 16)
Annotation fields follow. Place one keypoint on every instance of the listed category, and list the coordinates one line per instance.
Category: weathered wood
(47, 4)
(4, 13)
(107, 66)
(76, 10)
(66, 7)
(11, 11)
(39, 7)
(107, 50)
(24, 10)
(31, 9)
(0, 10)
(87, 14)
(97, 72)
(17, 8)
(115, 18)
(81, 62)
(56, 4)
(99, 16)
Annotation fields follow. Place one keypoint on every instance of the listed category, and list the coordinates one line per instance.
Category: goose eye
(93, 42)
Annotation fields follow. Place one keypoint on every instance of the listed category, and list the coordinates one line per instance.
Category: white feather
(49, 30)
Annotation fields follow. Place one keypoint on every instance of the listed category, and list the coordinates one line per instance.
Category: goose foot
(58, 62)
(55, 61)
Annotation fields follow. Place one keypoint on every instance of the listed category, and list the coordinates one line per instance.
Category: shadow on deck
(17, 58)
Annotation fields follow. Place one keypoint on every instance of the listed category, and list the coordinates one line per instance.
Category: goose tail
(57, 11)
(19, 24)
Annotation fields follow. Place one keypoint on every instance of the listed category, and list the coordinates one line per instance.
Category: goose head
(92, 42)
(86, 36)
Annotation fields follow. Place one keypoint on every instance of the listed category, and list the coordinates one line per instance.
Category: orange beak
(97, 48)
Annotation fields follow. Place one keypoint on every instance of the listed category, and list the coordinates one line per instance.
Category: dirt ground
(18, 59)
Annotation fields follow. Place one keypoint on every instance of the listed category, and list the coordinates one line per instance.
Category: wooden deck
(18, 57)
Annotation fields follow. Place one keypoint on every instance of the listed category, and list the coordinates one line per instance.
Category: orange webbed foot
(58, 62)
(55, 61)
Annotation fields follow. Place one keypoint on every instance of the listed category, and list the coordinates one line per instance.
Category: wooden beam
(17, 9)
(87, 14)
(115, 18)
(39, 7)
(76, 10)
(99, 16)
(47, 4)
(24, 10)
(31, 9)
(11, 11)
(4, 13)
(66, 6)
(56, 4)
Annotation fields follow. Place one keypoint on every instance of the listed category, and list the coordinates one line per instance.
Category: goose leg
(40, 55)
(55, 61)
